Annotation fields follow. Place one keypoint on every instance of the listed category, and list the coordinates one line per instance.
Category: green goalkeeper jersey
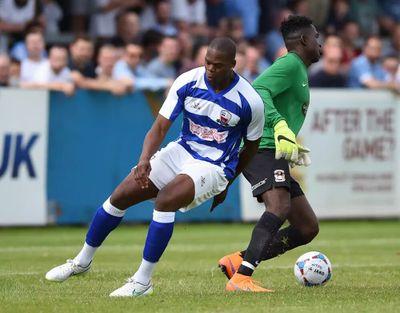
(286, 95)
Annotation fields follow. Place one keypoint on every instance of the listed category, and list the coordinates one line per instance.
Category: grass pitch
(365, 257)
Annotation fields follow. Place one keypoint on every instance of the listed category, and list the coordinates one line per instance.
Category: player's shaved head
(225, 46)
(220, 61)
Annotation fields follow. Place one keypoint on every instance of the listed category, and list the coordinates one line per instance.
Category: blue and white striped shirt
(214, 123)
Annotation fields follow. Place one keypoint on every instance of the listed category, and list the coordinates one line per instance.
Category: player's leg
(196, 182)
(106, 219)
(175, 195)
(277, 202)
(303, 229)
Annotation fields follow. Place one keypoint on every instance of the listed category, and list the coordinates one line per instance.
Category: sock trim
(163, 217)
(112, 210)
(249, 265)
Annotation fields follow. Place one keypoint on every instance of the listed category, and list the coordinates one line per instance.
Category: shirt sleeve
(272, 82)
(174, 103)
(256, 125)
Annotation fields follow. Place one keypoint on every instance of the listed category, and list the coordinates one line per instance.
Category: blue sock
(158, 235)
(106, 219)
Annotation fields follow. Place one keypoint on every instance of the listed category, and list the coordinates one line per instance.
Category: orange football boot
(230, 263)
(240, 282)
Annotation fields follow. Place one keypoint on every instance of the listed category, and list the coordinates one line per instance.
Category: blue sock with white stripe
(158, 236)
(106, 219)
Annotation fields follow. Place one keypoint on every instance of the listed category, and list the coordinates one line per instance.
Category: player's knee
(164, 202)
(120, 199)
(281, 210)
(310, 231)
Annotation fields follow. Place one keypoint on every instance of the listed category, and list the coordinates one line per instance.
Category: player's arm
(171, 108)
(151, 144)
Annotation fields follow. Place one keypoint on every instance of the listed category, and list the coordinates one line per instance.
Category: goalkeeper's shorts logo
(279, 176)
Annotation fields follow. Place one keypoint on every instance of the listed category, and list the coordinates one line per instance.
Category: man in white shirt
(54, 74)
(35, 45)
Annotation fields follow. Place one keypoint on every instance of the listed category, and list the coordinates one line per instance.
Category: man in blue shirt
(133, 74)
(366, 70)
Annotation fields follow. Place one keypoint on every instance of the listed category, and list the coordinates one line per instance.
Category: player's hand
(285, 142)
(141, 173)
(303, 158)
(218, 199)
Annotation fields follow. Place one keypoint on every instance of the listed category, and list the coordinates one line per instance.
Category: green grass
(365, 256)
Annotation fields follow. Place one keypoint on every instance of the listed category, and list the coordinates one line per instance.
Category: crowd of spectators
(125, 45)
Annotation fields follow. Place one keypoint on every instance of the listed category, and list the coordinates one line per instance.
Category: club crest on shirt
(279, 176)
(224, 117)
(305, 108)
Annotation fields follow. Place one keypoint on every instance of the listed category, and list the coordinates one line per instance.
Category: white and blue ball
(313, 269)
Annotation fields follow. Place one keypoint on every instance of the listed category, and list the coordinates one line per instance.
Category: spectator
(255, 64)
(190, 15)
(339, 14)
(249, 13)
(81, 54)
(366, 14)
(197, 60)
(54, 75)
(318, 11)
(14, 15)
(329, 76)
(330, 41)
(35, 61)
(53, 14)
(350, 35)
(158, 18)
(106, 60)
(18, 50)
(128, 29)
(394, 48)
(130, 72)
(103, 21)
(5, 73)
(366, 70)
(273, 39)
(240, 61)
(15, 73)
(391, 66)
(164, 65)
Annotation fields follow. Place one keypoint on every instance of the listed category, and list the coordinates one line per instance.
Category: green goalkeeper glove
(285, 142)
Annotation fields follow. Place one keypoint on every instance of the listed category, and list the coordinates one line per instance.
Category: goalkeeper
(285, 92)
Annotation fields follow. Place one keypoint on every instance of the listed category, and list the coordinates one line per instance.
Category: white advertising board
(354, 137)
(23, 157)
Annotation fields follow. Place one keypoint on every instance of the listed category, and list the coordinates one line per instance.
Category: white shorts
(209, 179)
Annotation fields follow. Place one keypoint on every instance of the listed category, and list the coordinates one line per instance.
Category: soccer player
(220, 109)
(285, 92)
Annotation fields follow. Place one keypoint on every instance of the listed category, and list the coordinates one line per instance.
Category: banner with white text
(23, 157)
(354, 137)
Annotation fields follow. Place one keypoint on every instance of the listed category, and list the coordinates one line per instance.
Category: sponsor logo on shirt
(279, 176)
(207, 133)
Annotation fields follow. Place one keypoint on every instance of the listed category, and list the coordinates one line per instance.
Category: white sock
(85, 256)
(144, 273)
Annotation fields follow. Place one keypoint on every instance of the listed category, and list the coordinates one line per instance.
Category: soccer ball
(313, 269)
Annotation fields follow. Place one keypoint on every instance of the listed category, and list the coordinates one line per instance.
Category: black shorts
(265, 172)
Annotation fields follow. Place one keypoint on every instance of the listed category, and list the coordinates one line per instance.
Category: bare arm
(151, 144)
